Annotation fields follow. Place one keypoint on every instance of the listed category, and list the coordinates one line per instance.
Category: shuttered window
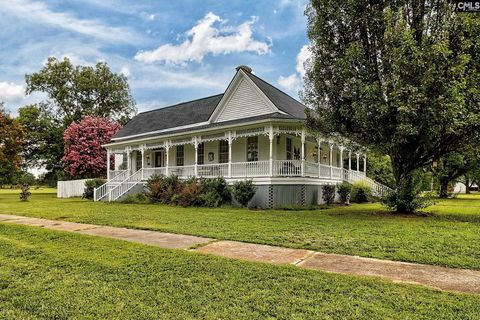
(223, 151)
(180, 155)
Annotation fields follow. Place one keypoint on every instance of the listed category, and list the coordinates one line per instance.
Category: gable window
(180, 155)
(201, 153)
(223, 151)
(252, 149)
(289, 148)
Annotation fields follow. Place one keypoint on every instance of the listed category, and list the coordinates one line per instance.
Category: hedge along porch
(252, 131)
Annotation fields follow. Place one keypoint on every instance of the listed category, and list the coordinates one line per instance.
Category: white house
(251, 131)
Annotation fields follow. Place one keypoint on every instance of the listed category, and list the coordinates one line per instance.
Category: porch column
(319, 157)
(167, 148)
(271, 138)
(129, 161)
(341, 148)
(142, 150)
(331, 160)
(108, 164)
(195, 144)
(365, 163)
(303, 152)
(230, 154)
(349, 160)
(358, 162)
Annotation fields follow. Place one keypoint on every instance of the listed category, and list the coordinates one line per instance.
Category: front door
(159, 158)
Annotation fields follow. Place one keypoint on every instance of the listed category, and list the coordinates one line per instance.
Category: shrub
(361, 192)
(193, 192)
(25, 192)
(90, 185)
(190, 194)
(216, 192)
(344, 191)
(163, 189)
(328, 193)
(243, 191)
(392, 201)
(135, 198)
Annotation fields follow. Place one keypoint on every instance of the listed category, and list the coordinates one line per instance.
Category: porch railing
(118, 175)
(378, 189)
(182, 171)
(212, 170)
(287, 168)
(251, 169)
(148, 172)
(124, 186)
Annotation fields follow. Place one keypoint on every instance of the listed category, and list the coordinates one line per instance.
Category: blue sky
(170, 51)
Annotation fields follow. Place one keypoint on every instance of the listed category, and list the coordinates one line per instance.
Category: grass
(57, 275)
(450, 236)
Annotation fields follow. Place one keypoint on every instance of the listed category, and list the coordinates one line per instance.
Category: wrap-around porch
(266, 151)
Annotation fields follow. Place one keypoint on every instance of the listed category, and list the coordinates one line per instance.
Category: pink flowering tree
(84, 156)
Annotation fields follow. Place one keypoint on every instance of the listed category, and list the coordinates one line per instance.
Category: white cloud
(11, 92)
(302, 59)
(151, 17)
(38, 12)
(294, 81)
(289, 83)
(205, 38)
(125, 71)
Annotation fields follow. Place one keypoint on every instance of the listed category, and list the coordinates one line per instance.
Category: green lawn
(450, 237)
(56, 275)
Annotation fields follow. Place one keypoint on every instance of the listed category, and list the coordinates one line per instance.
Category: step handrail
(125, 185)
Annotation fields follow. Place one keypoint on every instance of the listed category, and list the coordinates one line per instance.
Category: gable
(244, 101)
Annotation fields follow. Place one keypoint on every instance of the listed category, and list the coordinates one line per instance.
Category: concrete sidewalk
(460, 280)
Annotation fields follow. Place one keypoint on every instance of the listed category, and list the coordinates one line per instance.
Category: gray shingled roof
(270, 116)
(178, 115)
(200, 110)
(279, 98)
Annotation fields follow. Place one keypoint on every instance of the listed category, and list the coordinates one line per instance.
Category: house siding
(245, 102)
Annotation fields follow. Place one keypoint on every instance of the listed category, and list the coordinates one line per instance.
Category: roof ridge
(180, 103)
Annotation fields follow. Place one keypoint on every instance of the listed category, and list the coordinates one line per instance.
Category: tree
(11, 146)
(84, 155)
(464, 162)
(379, 168)
(78, 91)
(471, 177)
(44, 137)
(73, 92)
(400, 77)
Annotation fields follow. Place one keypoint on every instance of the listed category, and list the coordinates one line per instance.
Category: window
(201, 153)
(180, 155)
(138, 160)
(252, 149)
(223, 151)
(289, 149)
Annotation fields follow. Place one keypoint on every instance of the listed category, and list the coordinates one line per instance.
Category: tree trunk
(406, 194)
(467, 186)
(443, 188)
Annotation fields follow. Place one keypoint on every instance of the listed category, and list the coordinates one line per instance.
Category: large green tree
(44, 137)
(78, 91)
(11, 146)
(400, 77)
(455, 165)
(73, 92)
